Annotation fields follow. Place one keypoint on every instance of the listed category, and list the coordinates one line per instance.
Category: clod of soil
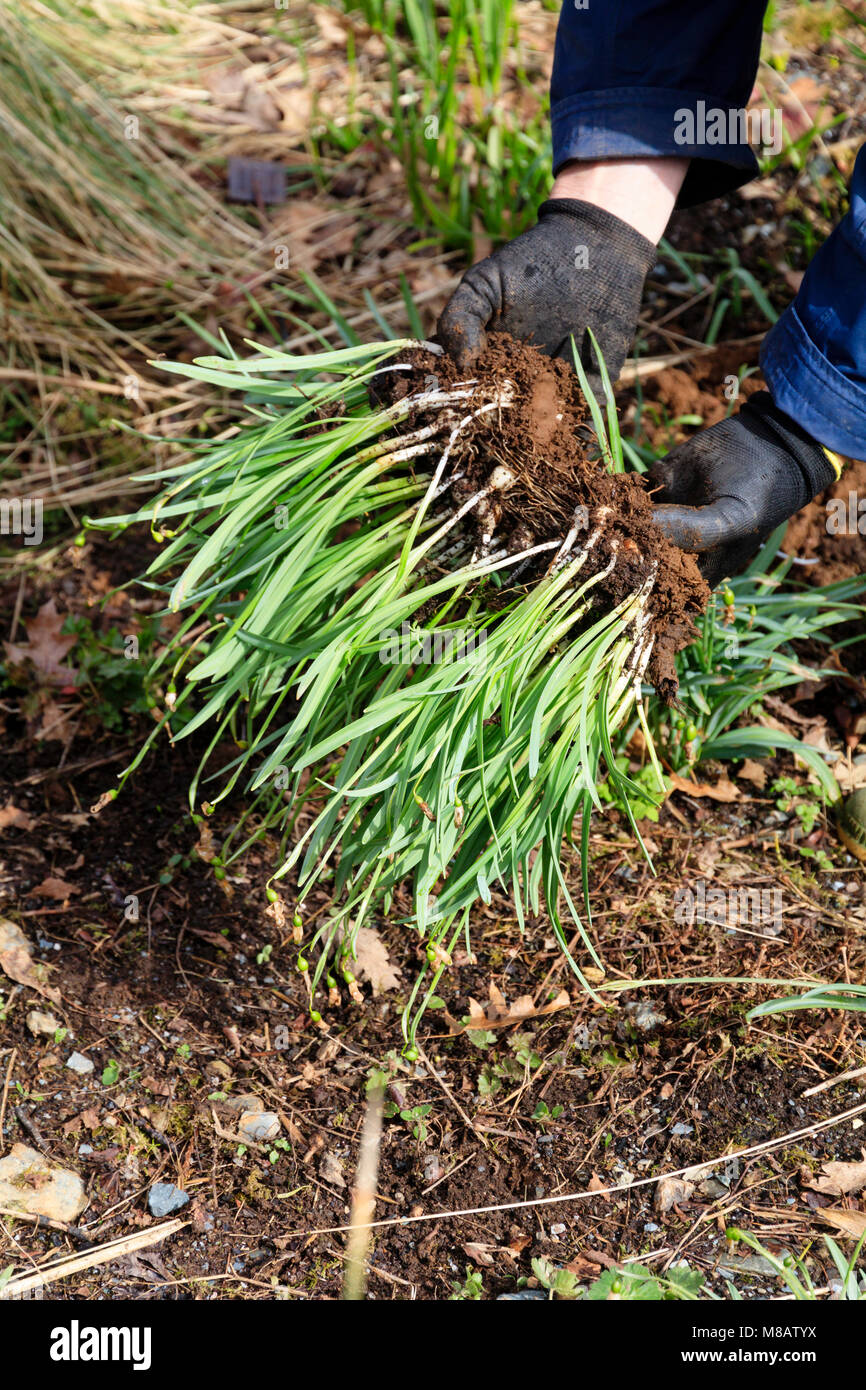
(558, 480)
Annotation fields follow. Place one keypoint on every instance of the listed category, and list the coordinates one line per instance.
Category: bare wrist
(642, 192)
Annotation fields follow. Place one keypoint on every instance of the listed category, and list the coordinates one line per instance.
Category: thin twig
(766, 1147)
(29, 1127)
(469, 1123)
(364, 1199)
(100, 1255)
(12, 1057)
(48, 1223)
(835, 1081)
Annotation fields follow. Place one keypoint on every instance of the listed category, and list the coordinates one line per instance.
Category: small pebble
(43, 1023)
(433, 1168)
(79, 1063)
(164, 1198)
(261, 1126)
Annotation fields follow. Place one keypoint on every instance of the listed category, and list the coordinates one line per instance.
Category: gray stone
(164, 1198)
(260, 1126)
(77, 1062)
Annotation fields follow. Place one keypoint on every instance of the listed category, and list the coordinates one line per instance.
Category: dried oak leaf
(500, 1014)
(46, 646)
(372, 962)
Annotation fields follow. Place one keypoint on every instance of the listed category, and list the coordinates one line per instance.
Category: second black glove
(724, 491)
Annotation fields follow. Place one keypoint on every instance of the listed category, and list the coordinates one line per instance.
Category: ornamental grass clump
(421, 607)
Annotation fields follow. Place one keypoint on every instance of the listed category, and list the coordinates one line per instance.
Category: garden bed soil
(197, 1004)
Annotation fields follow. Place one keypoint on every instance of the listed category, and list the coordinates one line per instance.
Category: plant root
(520, 480)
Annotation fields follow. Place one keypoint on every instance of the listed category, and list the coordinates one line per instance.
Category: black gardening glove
(578, 266)
(726, 490)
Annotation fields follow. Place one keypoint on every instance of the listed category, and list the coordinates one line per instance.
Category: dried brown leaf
(479, 1253)
(754, 772)
(332, 28)
(46, 646)
(500, 1014)
(850, 1223)
(723, 790)
(372, 962)
(11, 815)
(56, 724)
(670, 1192)
(205, 849)
(331, 1169)
(57, 889)
(312, 233)
(17, 962)
(850, 778)
(837, 1179)
(260, 109)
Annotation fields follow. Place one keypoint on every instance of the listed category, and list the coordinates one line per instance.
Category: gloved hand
(578, 266)
(726, 490)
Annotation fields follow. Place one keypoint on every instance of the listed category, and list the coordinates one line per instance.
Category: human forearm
(641, 192)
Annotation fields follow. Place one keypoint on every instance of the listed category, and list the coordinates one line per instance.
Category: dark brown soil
(832, 539)
(193, 1015)
(543, 439)
(691, 392)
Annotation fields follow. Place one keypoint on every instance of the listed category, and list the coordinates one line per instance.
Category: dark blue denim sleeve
(625, 70)
(814, 359)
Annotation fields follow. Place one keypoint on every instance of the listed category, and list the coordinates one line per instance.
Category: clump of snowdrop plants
(419, 607)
